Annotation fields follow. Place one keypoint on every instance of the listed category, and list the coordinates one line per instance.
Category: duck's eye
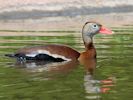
(94, 26)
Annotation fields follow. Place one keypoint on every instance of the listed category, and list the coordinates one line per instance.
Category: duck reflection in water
(91, 85)
(51, 67)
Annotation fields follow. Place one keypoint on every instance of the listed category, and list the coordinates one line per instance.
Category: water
(111, 79)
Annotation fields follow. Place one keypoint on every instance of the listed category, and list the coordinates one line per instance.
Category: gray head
(90, 29)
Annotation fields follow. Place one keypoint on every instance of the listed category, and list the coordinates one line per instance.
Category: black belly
(38, 57)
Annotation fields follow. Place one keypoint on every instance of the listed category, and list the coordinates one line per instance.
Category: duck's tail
(10, 55)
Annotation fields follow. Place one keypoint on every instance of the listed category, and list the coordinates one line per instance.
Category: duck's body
(58, 53)
(51, 52)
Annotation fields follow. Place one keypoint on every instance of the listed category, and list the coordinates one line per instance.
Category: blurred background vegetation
(63, 15)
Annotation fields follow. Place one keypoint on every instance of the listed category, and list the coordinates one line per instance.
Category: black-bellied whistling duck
(58, 53)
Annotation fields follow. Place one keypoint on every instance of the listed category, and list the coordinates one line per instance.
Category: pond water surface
(111, 80)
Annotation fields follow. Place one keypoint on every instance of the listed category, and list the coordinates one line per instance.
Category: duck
(58, 52)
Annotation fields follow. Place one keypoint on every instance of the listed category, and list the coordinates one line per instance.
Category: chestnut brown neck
(89, 46)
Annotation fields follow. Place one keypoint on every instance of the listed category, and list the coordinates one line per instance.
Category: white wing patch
(33, 54)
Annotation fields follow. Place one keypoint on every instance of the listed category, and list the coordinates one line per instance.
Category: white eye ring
(94, 26)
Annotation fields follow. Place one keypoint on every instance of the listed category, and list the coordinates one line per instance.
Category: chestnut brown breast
(89, 54)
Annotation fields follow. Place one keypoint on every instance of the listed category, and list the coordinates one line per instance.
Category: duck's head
(92, 28)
